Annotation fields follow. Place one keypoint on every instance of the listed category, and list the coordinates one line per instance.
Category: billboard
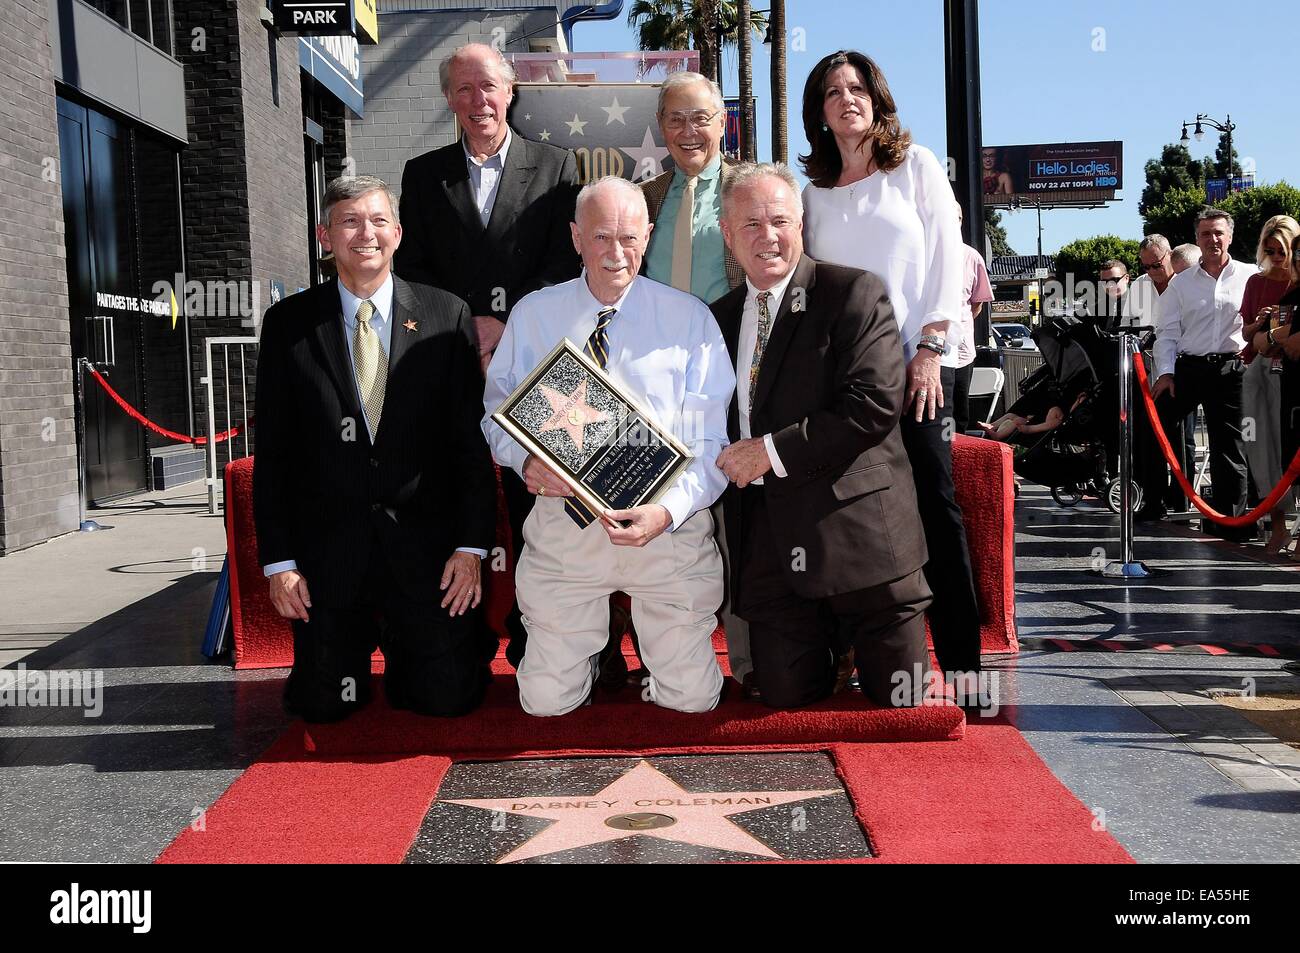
(1058, 173)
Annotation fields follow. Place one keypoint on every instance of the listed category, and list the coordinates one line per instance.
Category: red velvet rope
(1246, 519)
(142, 419)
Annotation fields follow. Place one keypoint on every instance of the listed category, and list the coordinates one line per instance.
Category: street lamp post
(1198, 131)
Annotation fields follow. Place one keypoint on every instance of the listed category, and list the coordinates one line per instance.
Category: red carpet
(984, 486)
(500, 728)
(986, 799)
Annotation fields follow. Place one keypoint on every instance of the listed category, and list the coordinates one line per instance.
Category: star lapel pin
(409, 324)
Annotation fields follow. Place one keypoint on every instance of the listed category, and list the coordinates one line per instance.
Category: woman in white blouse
(883, 204)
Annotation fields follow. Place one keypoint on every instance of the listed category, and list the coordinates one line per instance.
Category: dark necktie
(598, 350)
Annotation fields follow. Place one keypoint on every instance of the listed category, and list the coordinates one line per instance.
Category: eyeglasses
(699, 119)
(1156, 265)
(1114, 281)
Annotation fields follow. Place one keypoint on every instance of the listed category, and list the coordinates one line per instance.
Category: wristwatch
(932, 342)
(1271, 341)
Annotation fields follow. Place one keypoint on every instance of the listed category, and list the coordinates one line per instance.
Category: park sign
(1052, 174)
(355, 18)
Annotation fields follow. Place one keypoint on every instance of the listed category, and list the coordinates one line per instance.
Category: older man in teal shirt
(693, 258)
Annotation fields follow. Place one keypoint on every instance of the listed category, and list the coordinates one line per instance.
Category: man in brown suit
(821, 510)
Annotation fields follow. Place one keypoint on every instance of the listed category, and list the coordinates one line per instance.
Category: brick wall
(242, 176)
(406, 113)
(38, 477)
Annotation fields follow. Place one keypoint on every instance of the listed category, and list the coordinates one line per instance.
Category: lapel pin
(409, 324)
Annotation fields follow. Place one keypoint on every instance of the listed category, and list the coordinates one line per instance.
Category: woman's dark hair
(890, 141)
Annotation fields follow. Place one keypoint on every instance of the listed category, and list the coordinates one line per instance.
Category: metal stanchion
(83, 525)
(1127, 567)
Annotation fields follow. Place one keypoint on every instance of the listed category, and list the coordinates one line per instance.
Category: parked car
(1013, 336)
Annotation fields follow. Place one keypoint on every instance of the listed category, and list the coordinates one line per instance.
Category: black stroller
(1080, 375)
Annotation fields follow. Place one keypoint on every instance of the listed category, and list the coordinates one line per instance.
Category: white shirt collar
(777, 291)
(382, 299)
(500, 153)
(589, 299)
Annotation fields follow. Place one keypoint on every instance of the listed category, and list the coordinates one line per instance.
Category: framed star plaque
(584, 425)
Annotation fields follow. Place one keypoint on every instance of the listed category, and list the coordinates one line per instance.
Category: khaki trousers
(564, 580)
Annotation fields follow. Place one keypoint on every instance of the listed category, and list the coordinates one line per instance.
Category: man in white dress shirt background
(665, 348)
(1198, 363)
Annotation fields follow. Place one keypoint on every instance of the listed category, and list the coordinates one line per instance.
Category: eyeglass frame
(667, 118)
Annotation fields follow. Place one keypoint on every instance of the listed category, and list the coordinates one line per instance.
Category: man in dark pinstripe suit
(373, 488)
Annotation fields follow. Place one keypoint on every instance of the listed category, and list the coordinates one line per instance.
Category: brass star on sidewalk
(644, 802)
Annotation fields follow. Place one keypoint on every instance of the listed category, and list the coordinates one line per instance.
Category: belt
(1211, 358)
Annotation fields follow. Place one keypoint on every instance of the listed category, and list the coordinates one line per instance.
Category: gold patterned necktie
(371, 367)
(683, 232)
(760, 345)
(598, 350)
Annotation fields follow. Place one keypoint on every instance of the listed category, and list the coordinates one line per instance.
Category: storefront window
(141, 22)
(151, 20)
(161, 13)
(114, 9)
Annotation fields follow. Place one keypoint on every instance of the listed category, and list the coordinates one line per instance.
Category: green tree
(1175, 218)
(1251, 208)
(1221, 158)
(1174, 170)
(1175, 215)
(776, 20)
(997, 232)
(688, 25)
(1083, 258)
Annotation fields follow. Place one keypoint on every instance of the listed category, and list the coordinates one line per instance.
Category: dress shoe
(749, 688)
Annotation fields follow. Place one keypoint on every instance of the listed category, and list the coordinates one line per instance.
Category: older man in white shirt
(1198, 343)
(665, 348)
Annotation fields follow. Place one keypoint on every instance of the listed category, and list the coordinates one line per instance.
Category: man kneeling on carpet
(664, 347)
(827, 544)
(373, 489)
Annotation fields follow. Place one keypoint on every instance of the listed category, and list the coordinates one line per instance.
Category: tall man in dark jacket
(372, 484)
(487, 218)
(821, 513)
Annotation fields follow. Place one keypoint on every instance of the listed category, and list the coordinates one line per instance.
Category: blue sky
(1043, 81)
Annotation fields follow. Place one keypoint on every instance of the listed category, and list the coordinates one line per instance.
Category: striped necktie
(371, 366)
(598, 350)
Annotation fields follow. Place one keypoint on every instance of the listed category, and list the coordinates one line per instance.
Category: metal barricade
(235, 402)
(1017, 364)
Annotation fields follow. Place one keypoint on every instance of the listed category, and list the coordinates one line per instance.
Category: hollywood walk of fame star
(545, 135)
(571, 412)
(700, 819)
(614, 112)
(648, 159)
(409, 324)
(576, 126)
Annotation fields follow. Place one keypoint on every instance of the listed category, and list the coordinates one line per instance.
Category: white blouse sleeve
(944, 264)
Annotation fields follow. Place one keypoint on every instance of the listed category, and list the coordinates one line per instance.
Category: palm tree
(776, 29)
(688, 25)
(748, 150)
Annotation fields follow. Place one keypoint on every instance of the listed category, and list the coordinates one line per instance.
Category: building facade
(167, 159)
